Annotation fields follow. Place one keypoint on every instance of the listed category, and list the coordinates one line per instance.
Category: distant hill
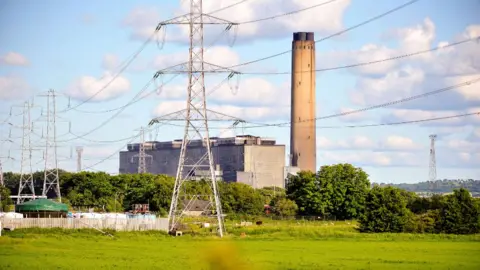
(439, 186)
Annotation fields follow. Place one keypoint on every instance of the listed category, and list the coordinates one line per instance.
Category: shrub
(385, 211)
(423, 223)
(459, 214)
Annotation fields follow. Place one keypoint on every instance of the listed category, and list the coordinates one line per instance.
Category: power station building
(255, 161)
(303, 147)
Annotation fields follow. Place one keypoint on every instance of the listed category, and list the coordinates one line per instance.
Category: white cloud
(13, 87)
(376, 159)
(416, 38)
(391, 143)
(399, 143)
(392, 80)
(14, 59)
(87, 86)
(394, 85)
(143, 21)
(110, 62)
(470, 92)
(465, 146)
(251, 91)
(398, 151)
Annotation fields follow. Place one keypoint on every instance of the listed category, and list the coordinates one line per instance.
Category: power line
(391, 123)
(288, 13)
(390, 103)
(173, 77)
(116, 152)
(335, 34)
(133, 101)
(227, 7)
(371, 62)
(114, 115)
(133, 57)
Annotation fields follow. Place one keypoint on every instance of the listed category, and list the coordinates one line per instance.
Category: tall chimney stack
(303, 127)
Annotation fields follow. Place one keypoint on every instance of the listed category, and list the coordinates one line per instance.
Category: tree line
(440, 186)
(341, 192)
(104, 192)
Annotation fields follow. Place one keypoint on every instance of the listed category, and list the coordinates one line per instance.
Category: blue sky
(69, 46)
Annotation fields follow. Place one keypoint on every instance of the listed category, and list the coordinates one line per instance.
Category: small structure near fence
(159, 224)
(42, 208)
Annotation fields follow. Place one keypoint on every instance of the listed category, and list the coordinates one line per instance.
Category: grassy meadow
(273, 245)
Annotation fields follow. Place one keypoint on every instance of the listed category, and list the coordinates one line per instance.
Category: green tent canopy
(41, 205)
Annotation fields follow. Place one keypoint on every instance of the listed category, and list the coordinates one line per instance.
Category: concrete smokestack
(303, 129)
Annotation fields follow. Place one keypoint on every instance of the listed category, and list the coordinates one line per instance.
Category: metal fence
(159, 224)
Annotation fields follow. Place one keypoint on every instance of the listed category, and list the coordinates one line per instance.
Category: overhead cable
(370, 62)
(114, 153)
(133, 57)
(403, 122)
(227, 7)
(288, 13)
(387, 124)
(114, 115)
(335, 34)
(390, 103)
(140, 98)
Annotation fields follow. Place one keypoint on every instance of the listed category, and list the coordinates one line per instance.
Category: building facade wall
(256, 163)
(266, 165)
(303, 107)
(165, 161)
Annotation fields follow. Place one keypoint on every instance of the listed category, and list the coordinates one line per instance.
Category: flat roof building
(252, 160)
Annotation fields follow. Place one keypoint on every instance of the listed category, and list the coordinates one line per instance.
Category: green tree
(162, 195)
(459, 214)
(286, 208)
(304, 190)
(337, 190)
(5, 200)
(270, 193)
(241, 199)
(385, 211)
(344, 187)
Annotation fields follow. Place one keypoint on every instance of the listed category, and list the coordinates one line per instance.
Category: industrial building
(303, 125)
(255, 161)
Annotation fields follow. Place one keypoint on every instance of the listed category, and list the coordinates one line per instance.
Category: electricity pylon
(26, 188)
(433, 163)
(196, 115)
(50, 176)
(142, 156)
(2, 183)
(79, 150)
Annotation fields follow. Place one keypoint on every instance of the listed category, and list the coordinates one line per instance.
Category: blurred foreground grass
(274, 245)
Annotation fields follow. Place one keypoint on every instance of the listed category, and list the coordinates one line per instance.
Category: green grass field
(283, 245)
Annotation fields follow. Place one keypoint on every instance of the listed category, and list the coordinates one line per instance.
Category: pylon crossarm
(206, 68)
(187, 20)
(181, 115)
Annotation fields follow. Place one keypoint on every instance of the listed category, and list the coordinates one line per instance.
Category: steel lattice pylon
(142, 156)
(26, 176)
(51, 179)
(79, 150)
(1, 175)
(196, 116)
(433, 163)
